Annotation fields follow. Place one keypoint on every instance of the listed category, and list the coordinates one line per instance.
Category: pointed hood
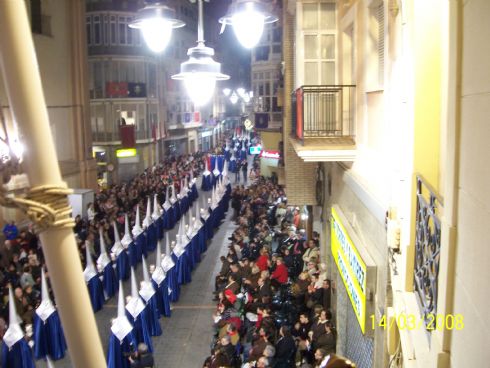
(158, 256)
(206, 171)
(90, 270)
(146, 274)
(173, 198)
(181, 232)
(158, 274)
(225, 169)
(117, 248)
(137, 229)
(183, 191)
(46, 308)
(147, 290)
(233, 158)
(120, 301)
(166, 204)
(134, 284)
(120, 325)
(103, 259)
(14, 333)
(44, 287)
(190, 223)
(156, 209)
(167, 245)
(126, 240)
(197, 220)
(147, 221)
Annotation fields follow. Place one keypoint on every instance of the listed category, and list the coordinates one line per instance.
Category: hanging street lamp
(156, 22)
(248, 18)
(200, 72)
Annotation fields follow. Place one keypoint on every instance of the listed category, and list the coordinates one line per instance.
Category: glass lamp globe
(200, 87)
(248, 18)
(156, 33)
(248, 26)
(156, 22)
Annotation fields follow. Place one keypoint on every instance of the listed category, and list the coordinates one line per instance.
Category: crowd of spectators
(272, 291)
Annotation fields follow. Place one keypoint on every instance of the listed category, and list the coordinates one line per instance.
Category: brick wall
(300, 176)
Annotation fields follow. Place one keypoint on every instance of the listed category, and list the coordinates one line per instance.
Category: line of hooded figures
(137, 319)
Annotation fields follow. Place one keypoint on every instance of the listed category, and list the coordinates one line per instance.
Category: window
(40, 20)
(318, 39)
(88, 23)
(97, 30)
(375, 44)
(262, 53)
(113, 31)
(106, 30)
(122, 26)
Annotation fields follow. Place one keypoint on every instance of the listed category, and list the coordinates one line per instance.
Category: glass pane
(311, 73)
(310, 16)
(327, 16)
(328, 47)
(328, 73)
(311, 47)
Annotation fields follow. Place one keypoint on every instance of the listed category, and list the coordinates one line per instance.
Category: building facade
(392, 132)
(125, 90)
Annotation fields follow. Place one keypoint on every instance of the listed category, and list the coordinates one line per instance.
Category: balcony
(323, 123)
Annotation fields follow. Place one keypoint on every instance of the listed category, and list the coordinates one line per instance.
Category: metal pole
(20, 72)
(200, 24)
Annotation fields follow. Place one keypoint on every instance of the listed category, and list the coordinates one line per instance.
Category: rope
(46, 206)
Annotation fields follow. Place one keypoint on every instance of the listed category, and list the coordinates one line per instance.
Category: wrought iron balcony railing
(323, 111)
(427, 249)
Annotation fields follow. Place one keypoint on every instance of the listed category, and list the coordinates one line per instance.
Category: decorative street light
(248, 18)
(200, 72)
(233, 98)
(156, 22)
(239, 93)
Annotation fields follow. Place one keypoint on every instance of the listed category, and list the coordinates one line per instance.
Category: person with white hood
(171, 271)
(148, 293)
(180, 257)
(95, 288)
(207, 181)
(168, 215)
(49, 339)
(159, 279)
(157, 217)
(137, 314)
(16, 353)
(120, 255)
(122, 341)
(139, 237)
(104, 265)
(128, 243)
(150, 229)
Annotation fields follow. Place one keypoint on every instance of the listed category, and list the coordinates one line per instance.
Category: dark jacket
(285, 352)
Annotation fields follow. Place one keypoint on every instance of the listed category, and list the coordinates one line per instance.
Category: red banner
(128, 138)
(116, 89)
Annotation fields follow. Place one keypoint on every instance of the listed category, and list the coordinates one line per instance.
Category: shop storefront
(354, 275)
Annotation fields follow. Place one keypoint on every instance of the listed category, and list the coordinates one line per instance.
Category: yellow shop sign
(351, 267)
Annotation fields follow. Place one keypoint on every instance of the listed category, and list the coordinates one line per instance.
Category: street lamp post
(20, 73)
